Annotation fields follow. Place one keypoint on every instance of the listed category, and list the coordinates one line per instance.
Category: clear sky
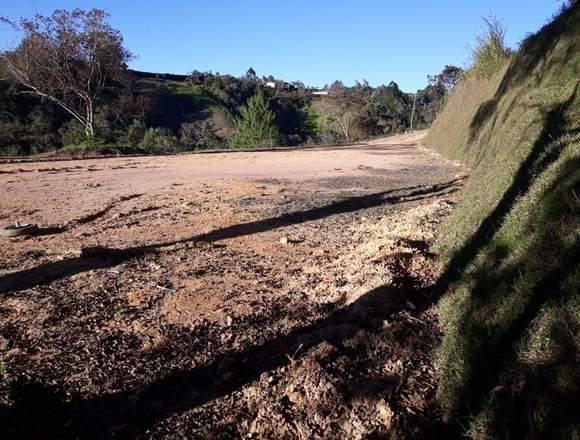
(315, 41)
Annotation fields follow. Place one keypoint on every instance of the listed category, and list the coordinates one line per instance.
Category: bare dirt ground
(282, 294)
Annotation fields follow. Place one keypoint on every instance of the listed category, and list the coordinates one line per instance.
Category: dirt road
(280, 294)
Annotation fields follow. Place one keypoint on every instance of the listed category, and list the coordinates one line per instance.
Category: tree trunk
(89, 129)
(345, 126)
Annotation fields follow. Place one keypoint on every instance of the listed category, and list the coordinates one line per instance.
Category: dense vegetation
(256, 126)
(195, 114)
(510, 362)
(172, 113)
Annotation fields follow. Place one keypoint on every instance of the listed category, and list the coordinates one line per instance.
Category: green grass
(4, 391)
(490, 52)
(198, 93)
(510, 360)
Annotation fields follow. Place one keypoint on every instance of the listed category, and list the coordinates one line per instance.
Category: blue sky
(315, 41)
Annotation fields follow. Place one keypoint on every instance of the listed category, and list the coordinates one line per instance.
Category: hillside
(510, 360)
(198, 111)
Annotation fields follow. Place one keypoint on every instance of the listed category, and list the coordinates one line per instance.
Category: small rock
(284, 240)
(385, 413)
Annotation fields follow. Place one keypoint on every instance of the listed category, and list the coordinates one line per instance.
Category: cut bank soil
(282, 294)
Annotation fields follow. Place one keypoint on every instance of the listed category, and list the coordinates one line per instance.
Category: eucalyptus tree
(67, 58)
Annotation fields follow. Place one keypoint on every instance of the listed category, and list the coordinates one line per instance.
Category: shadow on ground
(128, 413)
(99, 258)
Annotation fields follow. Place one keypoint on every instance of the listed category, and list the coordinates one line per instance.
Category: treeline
(164, 113)
(165, 116)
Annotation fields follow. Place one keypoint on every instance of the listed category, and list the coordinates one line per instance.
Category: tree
(294, 118)
(447, 79)
(336, 87)
(251, 73)
(67, 58)
(345, 121)
(256, 125)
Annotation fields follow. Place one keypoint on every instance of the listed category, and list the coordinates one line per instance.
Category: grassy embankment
(510, 362)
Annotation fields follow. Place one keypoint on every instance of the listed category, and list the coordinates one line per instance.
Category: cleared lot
(274, 294)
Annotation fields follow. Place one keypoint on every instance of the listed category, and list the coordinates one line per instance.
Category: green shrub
(256, 126)
(4, 390)
(135, 133)
(198, 135)
(73, 135)
(158, 140)
(40, 136)
(11, 150)
(11, 132)
(93, 141)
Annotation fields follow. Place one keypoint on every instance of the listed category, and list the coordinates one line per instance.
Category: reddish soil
(280, 294)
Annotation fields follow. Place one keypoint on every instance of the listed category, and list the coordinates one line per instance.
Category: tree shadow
(543, 153)
(127, 413)
(527, 400)
(49, 230)
(498, 311)
(101, 257)
(494, 316)
(487, 366)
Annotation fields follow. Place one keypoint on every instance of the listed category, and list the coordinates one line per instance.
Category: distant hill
(196, 111)
(159, 76)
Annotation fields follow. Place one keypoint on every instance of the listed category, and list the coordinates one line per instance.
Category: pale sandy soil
(58, 191)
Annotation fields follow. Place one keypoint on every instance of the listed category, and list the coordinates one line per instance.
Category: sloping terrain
(281, 294)
(510, 360)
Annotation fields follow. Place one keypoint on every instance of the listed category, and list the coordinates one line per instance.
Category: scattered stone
(385, 413)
